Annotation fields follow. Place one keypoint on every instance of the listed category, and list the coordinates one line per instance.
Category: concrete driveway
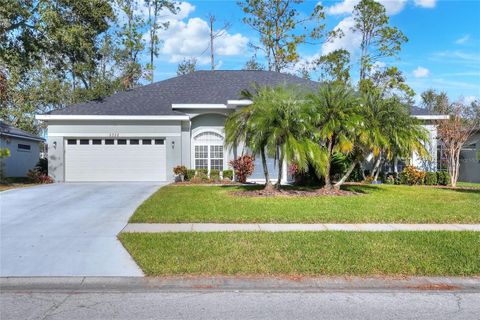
(68, 229)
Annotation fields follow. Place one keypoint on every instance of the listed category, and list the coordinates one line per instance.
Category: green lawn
(385, 203)
(306, 253)
(468, 184)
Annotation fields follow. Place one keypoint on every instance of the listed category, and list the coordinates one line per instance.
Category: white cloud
(421, 72)
(350, 41)
(426, 3)
(463, 39)
(190, 38)
(346, 6)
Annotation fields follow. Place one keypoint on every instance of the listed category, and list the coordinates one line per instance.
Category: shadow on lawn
(364, 189)
(474, 191)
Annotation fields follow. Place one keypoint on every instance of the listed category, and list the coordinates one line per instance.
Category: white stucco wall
(59, 130)
(428, 164)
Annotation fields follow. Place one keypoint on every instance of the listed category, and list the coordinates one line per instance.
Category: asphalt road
(240, 305)
(239, 298)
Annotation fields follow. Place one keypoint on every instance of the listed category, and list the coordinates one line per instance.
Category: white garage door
(119, 159)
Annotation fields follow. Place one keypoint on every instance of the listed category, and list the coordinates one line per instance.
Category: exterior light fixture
(55, 144)
(173, 144)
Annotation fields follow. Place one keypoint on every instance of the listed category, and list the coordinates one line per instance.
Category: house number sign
(114, 134)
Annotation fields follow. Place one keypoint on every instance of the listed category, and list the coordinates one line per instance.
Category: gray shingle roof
(8, 130)
(199, 87)
(417, 111)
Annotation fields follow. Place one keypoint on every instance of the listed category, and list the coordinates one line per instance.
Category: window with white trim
(208, 151)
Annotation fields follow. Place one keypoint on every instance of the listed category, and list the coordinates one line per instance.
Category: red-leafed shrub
(37, 176)
(243, 167)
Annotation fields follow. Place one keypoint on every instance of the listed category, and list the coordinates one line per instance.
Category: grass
(379, 204)
(306, 253)
(468, 184)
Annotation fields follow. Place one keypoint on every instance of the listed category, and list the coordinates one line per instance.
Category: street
(124, 300)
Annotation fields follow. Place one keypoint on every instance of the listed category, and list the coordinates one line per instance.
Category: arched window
(208, 151)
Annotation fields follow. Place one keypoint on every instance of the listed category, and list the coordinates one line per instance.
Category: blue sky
(443, 51)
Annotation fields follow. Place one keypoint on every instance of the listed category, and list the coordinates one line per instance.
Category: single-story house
(141, 134)
(24, 150)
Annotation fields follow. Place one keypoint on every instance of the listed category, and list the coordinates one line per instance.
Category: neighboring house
(141, 134)
(470, 159)
(24, 150)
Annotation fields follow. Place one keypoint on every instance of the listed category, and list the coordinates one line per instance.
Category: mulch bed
(295, 193)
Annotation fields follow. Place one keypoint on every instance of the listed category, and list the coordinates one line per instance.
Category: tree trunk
(280, 171)
(380, 165)
(376, 167)
(268, 183)
(456, 168)
(362, 170)
(346, 175)
(328, 181)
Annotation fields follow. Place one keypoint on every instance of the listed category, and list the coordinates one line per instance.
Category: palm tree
(283, 116)
(403, 135)
(240, 130)
(276, 124)
(387, 130)
(334, 111)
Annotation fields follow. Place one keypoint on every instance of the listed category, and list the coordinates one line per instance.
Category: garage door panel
(115, 162)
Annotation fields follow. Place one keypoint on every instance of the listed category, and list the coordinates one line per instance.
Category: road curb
(224, 283)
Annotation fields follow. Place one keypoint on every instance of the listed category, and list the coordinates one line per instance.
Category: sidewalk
(229, 227)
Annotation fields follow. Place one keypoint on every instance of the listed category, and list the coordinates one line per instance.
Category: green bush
(401, 178)
(443, 178)
(215, 175)
(227, 174)
(431, 178)
(391, 178)
(412, 176)
(201, 175)
(202, 171)
(189, 174)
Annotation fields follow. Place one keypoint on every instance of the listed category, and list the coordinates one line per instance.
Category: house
(141, 134)
(470, 159)
(24, 150)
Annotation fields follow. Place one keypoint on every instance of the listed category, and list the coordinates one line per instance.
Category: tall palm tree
(241, 130)
(276, 124)
(334, 111)
(283, 116)
(403, 135)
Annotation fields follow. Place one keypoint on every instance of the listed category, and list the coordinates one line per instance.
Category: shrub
(431, 178)
(391, 178)
(189, 174)
(36, 176)
(227, 174)
(180, 170)
(42, 166)
(215, 175)
(443, 178)
(201, 176)
(401, 179)
(369, 179)
(202, 172)
(412, 176)
(243, 166)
